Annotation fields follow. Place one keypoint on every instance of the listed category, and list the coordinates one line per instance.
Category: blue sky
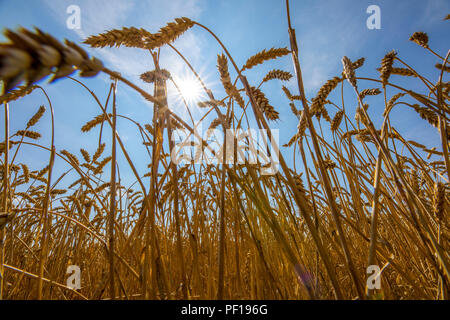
(326, 30)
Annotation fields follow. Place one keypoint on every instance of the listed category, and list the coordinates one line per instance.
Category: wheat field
(366, 195)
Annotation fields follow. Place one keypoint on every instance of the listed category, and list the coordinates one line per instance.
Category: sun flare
(190, 89)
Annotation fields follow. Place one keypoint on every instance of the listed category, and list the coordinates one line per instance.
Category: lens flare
(189, 88)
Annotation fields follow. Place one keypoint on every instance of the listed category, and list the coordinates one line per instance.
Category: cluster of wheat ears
(366, 196)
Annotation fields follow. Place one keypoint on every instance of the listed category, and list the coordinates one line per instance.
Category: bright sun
(190, 89)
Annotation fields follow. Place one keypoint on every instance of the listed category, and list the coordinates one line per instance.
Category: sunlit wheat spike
(26, 196)
(33, 55)
(392, 101)
(14, 167)
(294, 110)
(42, 171)
(102, 164)
(247, 270)
(222, 65)
(5, 218)
(26, 172)
(94, 122)
(88, 166)
(329, 164)
(427, 114)
(440, 67)
(75, 183)
(364, 137)
(15, 94)
(41, 179)
(215, 123)
(29, 134)
(56, 192)
(175, 124)
(71, 157)
(403, 72)
(355, 65)
(128, 37)
(277, 74)
(264, 55)
(319, 100)
(293, 140)
(349, 72)
(302, 124)
(415, 183)
(202, 104)
(230, 89)
(360, 116)
(287, 92)
(323, 113)
(337, 120)
(169, 33)
(299, 183)
(85, 155)
(301, 128)
(152, 76)
(13, 63)
(210, 103)
(369, 92)
(36, 117)
(149, 128)
(416, 144)
(393, 134)
(433, 151)
(421, 38)
(386, 67)
(446, 93)
(102, 187)
(35, 190)
(439, 200)
(325, 90)
(271, 113)
(238, 98)
(263, 104)
(289, 95)
(349, 134)
(358, 63)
